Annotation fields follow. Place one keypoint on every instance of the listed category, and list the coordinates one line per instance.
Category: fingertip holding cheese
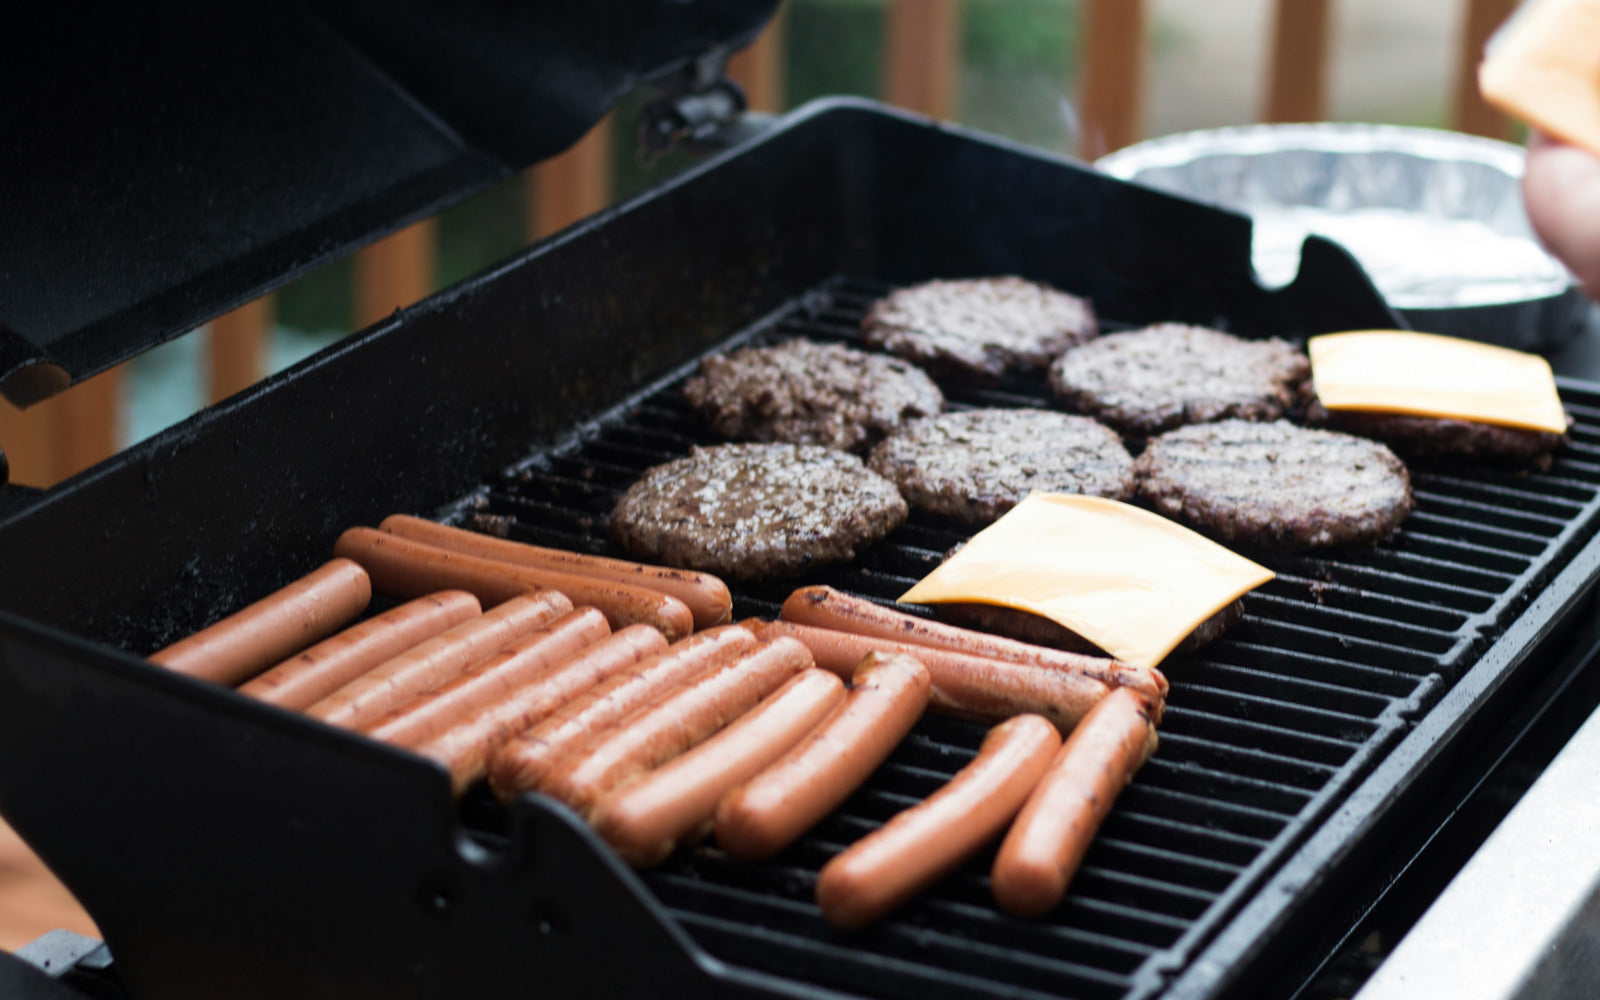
(1130, 581)
(1544, 67)
(1424, 374)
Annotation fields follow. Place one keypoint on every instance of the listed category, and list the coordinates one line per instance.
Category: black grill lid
(163, 163)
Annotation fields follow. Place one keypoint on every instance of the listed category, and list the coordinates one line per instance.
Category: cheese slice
(1131, 582)
(1544, 67)
(1423, 374)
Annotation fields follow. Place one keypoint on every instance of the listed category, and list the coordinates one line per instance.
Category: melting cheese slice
(1393, 371)
(1544, 67)
(1131, 582)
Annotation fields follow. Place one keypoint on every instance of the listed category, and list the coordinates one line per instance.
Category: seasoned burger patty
(753, 511)
(1042, 631)
(979, 327)
(1440, 436)
(978, 464)
(804, 392)
(1147, 381)
(1276, 485)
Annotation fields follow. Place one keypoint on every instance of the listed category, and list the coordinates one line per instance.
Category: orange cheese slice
(1544, 67)
(1393, 371)
(1131, 582)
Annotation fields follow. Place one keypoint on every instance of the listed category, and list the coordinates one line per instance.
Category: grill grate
(1265, 729)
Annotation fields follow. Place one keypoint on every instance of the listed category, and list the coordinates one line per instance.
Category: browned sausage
(405, 568)
(646, 820)
(1050, 836)
(706, 595)
(969, 686)
(683, 719)
(279, 625)
(526, 761)
(926, 842)
(489, 681)
(825, 607)
(766, 814)
(339, 659)
(465, 747)
(422, 668)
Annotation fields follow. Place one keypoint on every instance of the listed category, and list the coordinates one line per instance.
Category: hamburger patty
(1042, 631)
(1440, 436)
(979, 327)
(753, 511)
(978, 464)
(803, 392)
(1147, 381)
(1276, 485)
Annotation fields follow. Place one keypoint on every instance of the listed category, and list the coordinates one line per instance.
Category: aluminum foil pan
(1434, 217)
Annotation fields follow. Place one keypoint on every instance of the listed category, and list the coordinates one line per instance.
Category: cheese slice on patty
(1544, 67)
(1131, 582)
(1426, 375)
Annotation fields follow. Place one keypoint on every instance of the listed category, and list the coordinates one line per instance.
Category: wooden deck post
(1111, 99)
(236, 348)
(394, 272)
(1297, 77)
(1470, 113)
(921, 51)
(571, 186)
(760, 66)
(65, 434)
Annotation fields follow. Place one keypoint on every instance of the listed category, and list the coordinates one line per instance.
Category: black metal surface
(295, 860)
(162, 163)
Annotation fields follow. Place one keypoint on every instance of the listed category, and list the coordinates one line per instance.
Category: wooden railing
(921, 72)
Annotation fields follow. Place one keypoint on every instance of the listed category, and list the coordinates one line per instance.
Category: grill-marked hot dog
(647, 819)
(465, 748)
(826, 607)
(1053, 831)
(683, 719)
(766, 814)
(406, 568)
(339, 659)
(526, 762)
(422, 668)
(970, 686)
(274, 628)
(926, 842)
(490, 681)
(706, 595)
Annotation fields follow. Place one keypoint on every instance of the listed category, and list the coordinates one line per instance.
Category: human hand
(1561, 189)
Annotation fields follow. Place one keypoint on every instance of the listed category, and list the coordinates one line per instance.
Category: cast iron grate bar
(1264, 729)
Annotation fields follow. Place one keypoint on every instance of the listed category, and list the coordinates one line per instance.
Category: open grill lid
(161, 163)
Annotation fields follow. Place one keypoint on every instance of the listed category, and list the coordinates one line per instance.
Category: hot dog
(646, 820)
(422, 668)
(1050, 836)
(489, 681)
(465, 747)
(279, 625)
(706, 596)
(526, 762)
(926, 842)
(339, 659)
(766, 814)
(969, 686)
(825, 607)
(683, 719)
(405, 568)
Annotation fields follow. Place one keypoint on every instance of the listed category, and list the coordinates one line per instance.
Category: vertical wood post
(394, 272)
(921, 49)
(1111, 100)
(571, 186)
(759, 67)
(66, 433)
(236, 348)
(1297, 78)
(1470, 113)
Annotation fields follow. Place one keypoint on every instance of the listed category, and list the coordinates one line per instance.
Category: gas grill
(226, 848)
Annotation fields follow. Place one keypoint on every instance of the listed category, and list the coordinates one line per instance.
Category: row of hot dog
(623, 690)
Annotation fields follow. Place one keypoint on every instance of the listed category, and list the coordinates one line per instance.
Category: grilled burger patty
(753, 511)
(803, 392)
(1147, 381)
(980, 327)
(1042, 631)
(1276, 485)
(978, 464)
(1440, 436)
